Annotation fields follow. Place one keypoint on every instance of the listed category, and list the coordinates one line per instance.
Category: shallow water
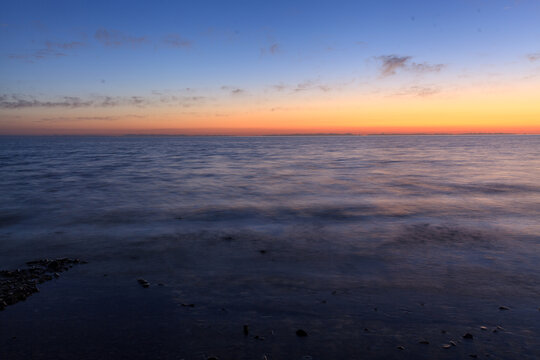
(353, 223)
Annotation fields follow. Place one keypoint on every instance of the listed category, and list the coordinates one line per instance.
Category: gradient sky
(259, 67)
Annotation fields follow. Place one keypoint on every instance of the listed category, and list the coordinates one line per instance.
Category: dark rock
(400, 348)
(504, 308)
(262, 251)
(19, 284)
(212, 358)
(424, 341)
(474, 356)
(143, 283)
(301, 333)
(188, 305)
(246, 330)
(468, 336)
(54, 265)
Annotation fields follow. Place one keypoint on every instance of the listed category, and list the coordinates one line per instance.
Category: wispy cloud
(533, 57)
(114, 38)
(64, 46)
(233, 90)
(391, 64)
(90, 118)
(311, 85)
(50, 49)
(425, 67)
(305, 85)
(418, 91)
(22, 101)
(19, 101)
(176, 41)
(273, 49)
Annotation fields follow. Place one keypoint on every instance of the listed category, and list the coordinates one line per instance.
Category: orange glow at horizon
(471, 111)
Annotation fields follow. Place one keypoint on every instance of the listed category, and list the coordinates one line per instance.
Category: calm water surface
(350, 222)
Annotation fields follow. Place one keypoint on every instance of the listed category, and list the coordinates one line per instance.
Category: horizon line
(275, 135)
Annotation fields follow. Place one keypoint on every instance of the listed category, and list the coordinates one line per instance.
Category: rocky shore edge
(17, 285)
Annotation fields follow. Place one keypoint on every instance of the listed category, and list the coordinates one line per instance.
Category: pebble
(301, 333)
(453, 343)
(483, 328)
(400, 348)
(447, 346)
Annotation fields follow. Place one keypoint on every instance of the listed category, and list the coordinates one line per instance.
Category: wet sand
(398, 299)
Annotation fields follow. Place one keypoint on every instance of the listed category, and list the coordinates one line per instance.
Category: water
(451, 219)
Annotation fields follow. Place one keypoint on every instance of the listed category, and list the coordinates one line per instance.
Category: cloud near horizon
(17, 101)
(233, 90)
(533, 57)
(303, 86)
(417, 90)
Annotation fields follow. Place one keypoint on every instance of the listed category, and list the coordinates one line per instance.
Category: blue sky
(134, 48)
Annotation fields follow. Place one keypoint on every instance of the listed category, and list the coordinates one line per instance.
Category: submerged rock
(301, 333)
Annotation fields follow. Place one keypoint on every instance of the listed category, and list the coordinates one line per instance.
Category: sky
(269, 67)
